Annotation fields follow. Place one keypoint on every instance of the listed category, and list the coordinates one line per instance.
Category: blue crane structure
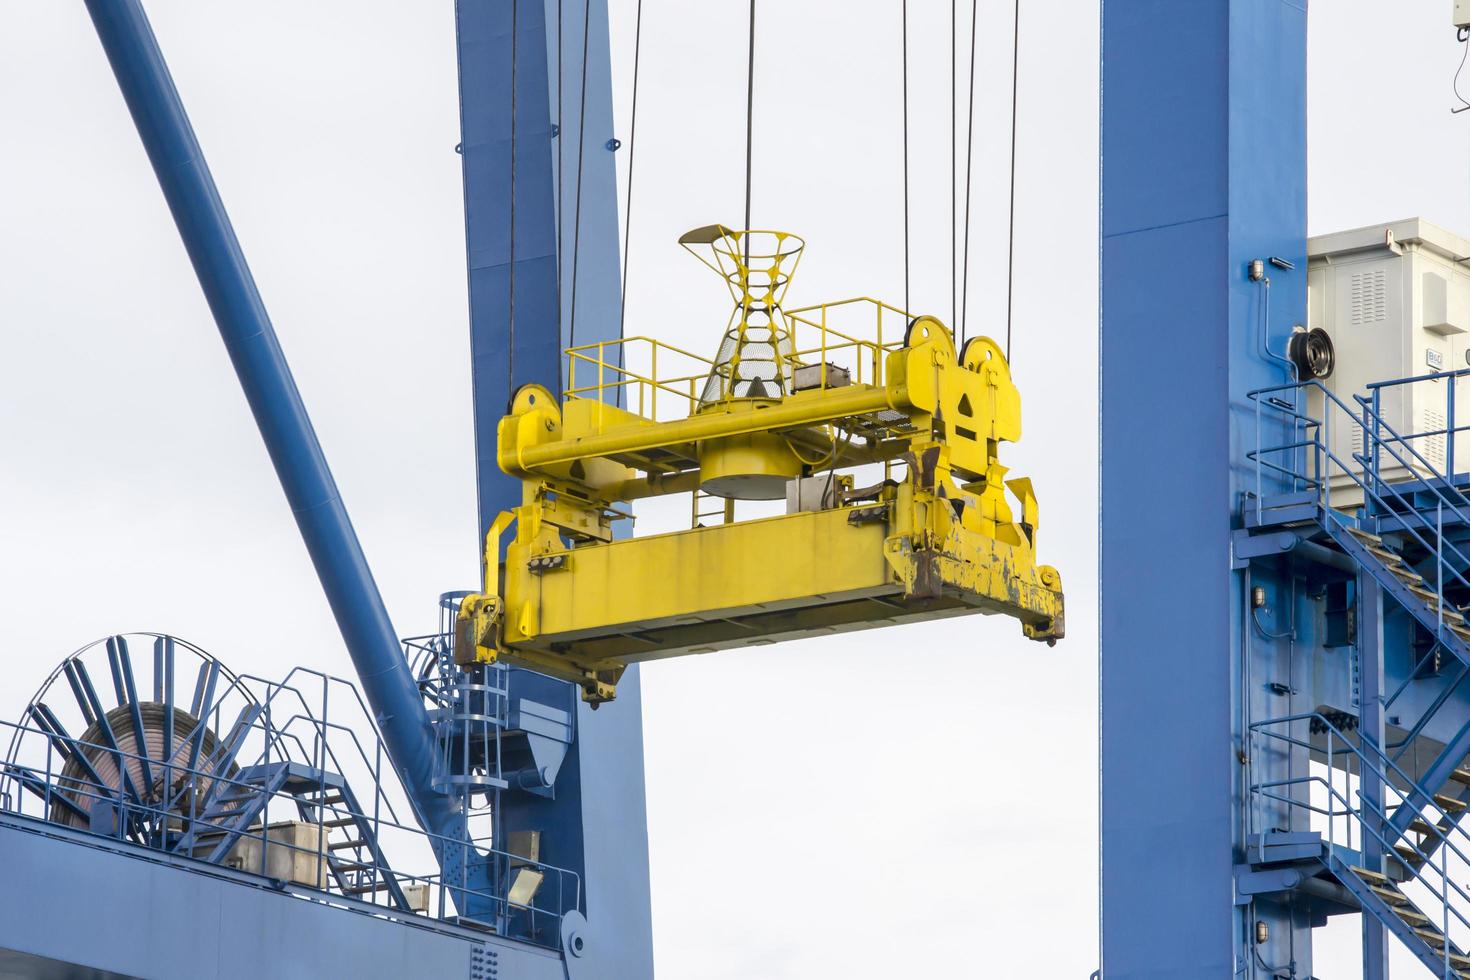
(1285, 727)
(502, 770)
(1285, 722)
(462, 809)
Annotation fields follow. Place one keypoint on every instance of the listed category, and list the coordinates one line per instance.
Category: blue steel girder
(222, 923)
(1203, 144)
(536, 152)
(280, 415)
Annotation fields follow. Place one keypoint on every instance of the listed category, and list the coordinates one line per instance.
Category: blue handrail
(1371, 482)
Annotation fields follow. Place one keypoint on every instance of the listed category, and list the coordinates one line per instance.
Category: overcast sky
(885, 804)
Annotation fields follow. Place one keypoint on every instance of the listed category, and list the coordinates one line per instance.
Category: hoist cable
(561, 166)
(632, 147)
(954, 157)
(964, 324)
(1011, 231)
(905, 37)
(581, 147)
(749, 125)
(515, 48)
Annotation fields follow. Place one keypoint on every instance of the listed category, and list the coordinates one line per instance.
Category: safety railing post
(46, 801)
(1258, 459)
(1439, 564)
(1324, 436)
(1450, 427)
(878, 351)
(823, 368)
(1444, 907)
(1376, 455)
(1331, 796)
(1256, 797)
(1298, 452)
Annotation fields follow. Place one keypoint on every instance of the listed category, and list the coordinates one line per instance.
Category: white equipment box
(1395, 298)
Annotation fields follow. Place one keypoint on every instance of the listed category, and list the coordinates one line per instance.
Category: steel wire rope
(581, 152)
(515, 47)
(964, 324)
(632, 148)
(749, 131)
(842, 442)
(561, 141)
(953, 164)
(905, 41)
(745, 237)
(1011, 212)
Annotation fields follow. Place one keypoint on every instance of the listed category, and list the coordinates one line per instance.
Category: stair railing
(1449, 430)
(1370, 481)
(1367, 817)
(43, 790)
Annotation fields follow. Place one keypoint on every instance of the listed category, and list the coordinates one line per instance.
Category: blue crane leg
(266, 379)
(513, 287)
(596, 824)
(1203, 169)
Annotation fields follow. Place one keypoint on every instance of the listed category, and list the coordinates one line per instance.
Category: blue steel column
(597, 823)
(279, 412)
(1203, 169)
(1370, 727)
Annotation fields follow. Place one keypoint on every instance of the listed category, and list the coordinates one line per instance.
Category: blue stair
(1447, 774)
(1417, 840)
(1443, 620)
(1386, 901)
(231, 807)
(356, 862)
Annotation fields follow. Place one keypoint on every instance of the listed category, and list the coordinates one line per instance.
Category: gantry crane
(880, 433)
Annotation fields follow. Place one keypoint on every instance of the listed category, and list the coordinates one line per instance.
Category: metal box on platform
(294, 852)
(1395, 299)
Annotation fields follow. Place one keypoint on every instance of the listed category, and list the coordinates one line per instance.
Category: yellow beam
(804, 409)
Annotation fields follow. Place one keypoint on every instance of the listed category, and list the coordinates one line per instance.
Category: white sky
(887, 804)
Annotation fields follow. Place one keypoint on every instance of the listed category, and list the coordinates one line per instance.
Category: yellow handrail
(616, 382)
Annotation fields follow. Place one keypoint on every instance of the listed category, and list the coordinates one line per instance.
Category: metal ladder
(724, 510)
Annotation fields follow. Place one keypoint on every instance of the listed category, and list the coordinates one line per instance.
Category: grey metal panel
(86, 908)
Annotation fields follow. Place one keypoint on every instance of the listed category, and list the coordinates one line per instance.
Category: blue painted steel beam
(1371, 786)
(510, 219)
(279, 412)
(544, 168)
(158, 915)
(596, 823)
(1203, 143)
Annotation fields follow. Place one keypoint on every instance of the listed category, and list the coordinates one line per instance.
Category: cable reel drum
(127, 745)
